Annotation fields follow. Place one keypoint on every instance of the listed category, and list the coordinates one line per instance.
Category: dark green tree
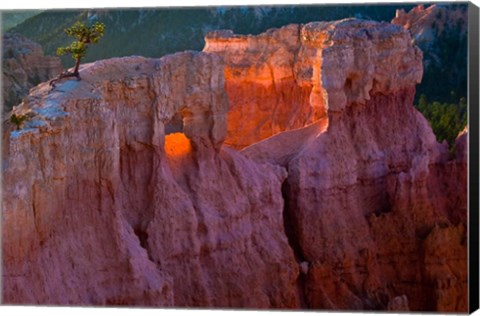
(84, 35)
(446, 119)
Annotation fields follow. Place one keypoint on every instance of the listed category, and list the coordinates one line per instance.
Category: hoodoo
(301, 176)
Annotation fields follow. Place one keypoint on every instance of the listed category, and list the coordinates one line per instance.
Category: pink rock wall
(94, 213)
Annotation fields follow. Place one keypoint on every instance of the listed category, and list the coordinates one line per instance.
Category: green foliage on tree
(446, 119)
(83, 35)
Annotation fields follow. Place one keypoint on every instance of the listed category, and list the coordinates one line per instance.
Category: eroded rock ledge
(102, 206)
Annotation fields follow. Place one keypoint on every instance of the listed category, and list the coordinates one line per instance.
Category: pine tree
(84, 36)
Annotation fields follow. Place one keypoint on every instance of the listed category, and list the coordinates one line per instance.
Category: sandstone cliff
(342, 198)
(24, 66)
(377, 210)
(101, 208)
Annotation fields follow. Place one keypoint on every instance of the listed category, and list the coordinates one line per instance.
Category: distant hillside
(156, 32)
(15, 17)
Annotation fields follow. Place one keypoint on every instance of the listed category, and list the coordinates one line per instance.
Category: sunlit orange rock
(177, 145)
(266, 96)
(276, 81)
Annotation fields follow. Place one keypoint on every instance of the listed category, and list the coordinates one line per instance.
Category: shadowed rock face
(23, 67)
(341, 200)
(366, 213)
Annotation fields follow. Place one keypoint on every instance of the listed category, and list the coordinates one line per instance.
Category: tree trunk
(77, 65)
(67, 74)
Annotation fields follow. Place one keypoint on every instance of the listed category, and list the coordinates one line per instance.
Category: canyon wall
(24, 66)
(339, 199)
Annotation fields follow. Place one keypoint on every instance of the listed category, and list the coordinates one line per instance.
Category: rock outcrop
(24, 66)
(267, 94)
(101, 208)
(274, 80)
(425, 24)
(369, 194)
(340, 199)
(440, 30)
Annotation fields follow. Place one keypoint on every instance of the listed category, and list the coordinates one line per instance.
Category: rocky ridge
(423, 22)
(345, 202)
